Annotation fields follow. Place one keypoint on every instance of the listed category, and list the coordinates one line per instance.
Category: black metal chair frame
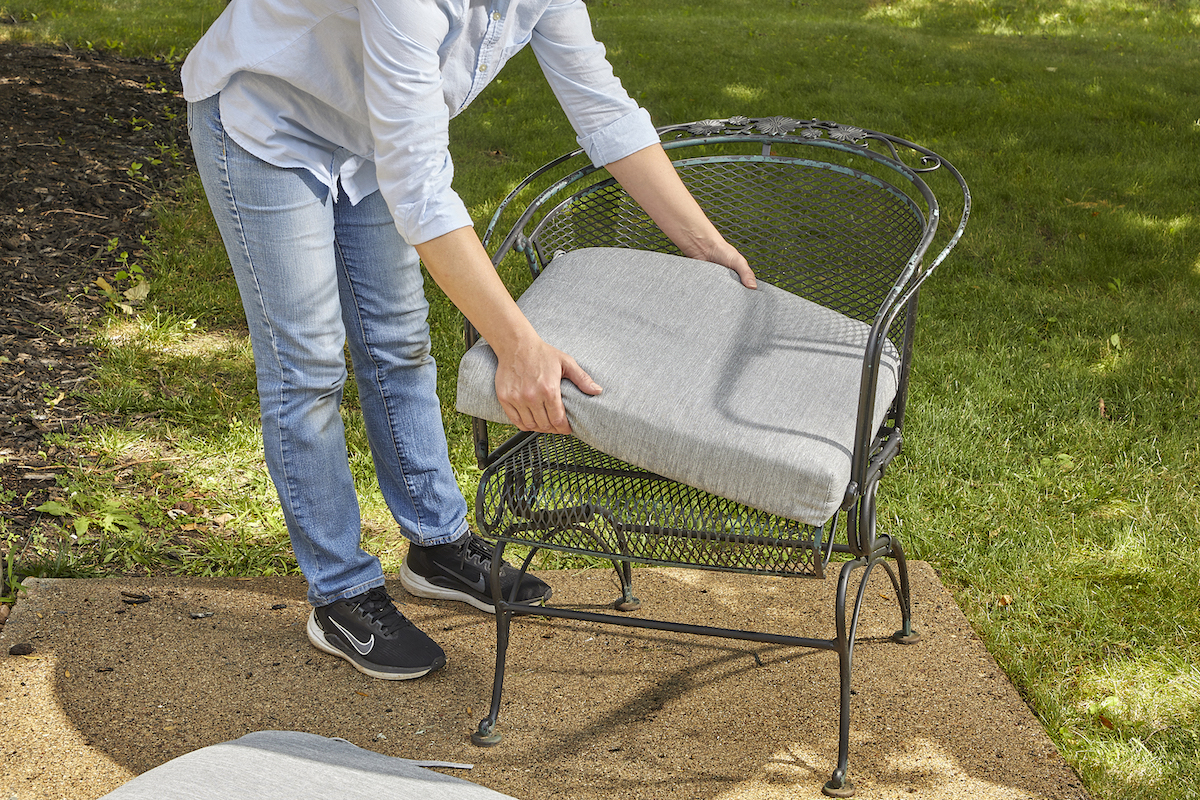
(759, 160)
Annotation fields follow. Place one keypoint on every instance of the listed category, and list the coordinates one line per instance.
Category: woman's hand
(725, 254)
(528, 386)
(530, 372)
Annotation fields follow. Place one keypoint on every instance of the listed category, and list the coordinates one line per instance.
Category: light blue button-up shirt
(361, 92)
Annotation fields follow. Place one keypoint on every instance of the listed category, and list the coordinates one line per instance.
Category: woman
(320, 129)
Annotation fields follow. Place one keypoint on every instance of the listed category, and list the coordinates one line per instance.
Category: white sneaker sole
(317, 637)
(415, 585)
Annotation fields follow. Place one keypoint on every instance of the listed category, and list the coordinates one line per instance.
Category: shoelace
(477, 550)
(379, 609)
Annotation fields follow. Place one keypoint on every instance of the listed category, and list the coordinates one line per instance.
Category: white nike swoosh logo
(362, 647)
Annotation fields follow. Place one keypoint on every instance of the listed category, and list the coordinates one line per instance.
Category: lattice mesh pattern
(837, 239)
(556, 491)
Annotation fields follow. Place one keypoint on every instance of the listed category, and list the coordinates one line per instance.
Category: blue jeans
(316, 275)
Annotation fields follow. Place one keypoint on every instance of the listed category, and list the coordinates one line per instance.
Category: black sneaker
(374, 637)
(462, 570)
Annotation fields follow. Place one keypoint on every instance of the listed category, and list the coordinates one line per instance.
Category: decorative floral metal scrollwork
(775, 126)
(707, 127)
(805, 129)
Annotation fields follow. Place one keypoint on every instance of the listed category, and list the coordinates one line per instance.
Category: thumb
(746, 275)
(575, 374)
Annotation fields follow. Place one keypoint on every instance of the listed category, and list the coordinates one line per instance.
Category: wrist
(702, 245)
(510, 341)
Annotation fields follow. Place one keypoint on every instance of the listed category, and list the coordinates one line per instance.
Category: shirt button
(496, 16)
(483, 67)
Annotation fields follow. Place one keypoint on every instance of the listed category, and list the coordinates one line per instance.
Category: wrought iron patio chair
(839, 222)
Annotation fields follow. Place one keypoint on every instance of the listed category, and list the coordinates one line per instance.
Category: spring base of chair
(846, 789)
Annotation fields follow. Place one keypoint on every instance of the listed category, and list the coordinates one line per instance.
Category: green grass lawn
(1053, 441)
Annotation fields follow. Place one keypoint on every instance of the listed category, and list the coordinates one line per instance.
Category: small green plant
(168, 151)
(138, 289)
(106, 514)
(129, 271)
(12, 580)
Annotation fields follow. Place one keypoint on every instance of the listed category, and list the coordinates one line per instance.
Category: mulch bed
(73, 125)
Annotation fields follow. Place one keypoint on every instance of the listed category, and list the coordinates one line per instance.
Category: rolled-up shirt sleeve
(408, 105)
(408, 116)
(608, 124)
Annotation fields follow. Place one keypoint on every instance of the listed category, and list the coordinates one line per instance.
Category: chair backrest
(833, 238)
(827, 211)
(833, 213)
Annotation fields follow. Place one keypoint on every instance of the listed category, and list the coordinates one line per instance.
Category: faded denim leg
(299, 258)
(385, 314)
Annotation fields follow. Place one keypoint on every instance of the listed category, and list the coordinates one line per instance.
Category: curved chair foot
(627, 604)
(906, 637)
(486, 736)
(846, 789)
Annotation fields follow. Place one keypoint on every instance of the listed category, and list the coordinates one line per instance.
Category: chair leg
(906, 634)
(626, 602)
(838, 785)
(487, 735)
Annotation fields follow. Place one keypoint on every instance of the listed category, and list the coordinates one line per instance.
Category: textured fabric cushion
(287, 765)
(750, 395)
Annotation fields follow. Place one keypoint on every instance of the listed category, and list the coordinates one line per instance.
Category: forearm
(461, 268)
(650, 178)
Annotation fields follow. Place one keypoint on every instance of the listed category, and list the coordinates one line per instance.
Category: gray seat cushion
(288, 765)
(750, 395)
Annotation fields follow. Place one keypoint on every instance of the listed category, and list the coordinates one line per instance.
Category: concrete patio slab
(113, 689)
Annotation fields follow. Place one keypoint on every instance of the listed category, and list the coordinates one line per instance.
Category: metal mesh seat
(555, 491)
(841, 216)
